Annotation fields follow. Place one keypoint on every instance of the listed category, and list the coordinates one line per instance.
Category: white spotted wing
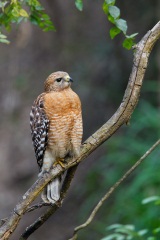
(39, 124)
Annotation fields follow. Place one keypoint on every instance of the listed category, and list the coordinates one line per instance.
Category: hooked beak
(68, 79)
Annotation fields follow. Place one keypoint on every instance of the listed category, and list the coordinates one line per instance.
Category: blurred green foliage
(129, 232)
(15, 11)
(113, 14)
(79, 4)
(122, 151)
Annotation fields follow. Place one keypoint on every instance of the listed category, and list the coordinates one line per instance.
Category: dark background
(100, 69)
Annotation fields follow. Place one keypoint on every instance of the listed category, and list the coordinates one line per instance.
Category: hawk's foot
(60, 161)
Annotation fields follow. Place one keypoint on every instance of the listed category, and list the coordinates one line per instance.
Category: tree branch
(44, 217)
(66, 184)
(111, 190)
(37, 206)
(121, 116)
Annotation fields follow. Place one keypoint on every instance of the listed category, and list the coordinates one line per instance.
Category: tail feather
(51, 193)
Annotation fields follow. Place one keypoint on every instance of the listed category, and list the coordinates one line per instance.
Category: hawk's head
(57, 81)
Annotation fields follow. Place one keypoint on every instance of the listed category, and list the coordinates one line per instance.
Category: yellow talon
(60, 161)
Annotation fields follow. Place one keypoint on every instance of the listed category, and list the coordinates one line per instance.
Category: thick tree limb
(111, 190)
(121, 116)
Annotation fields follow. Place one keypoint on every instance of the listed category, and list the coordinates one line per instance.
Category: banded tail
(51, 193)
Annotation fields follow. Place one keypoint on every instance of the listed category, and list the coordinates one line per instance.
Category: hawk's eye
(58, 79)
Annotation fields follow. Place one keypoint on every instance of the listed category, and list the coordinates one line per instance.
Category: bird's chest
(61, 110)
(60, 104)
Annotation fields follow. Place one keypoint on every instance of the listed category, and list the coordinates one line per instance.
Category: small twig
(37, 206)
(2, 221)
(43, 218)
(111, 190)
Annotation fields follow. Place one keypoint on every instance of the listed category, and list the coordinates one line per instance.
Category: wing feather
(39, 124)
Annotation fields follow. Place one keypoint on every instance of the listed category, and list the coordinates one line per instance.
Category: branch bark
(121, 116)
(51, 210)
(111, 190)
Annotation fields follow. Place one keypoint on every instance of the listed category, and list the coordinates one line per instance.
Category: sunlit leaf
(110, 2)
(122, 25)
(150, 199)
(156, 230)
(23, 13)
(114, 11)
(3, 40)
(132, 35)
(114, 226)
(3, 4)
(142, 232)
(39, 8)
(114, 236)
(2, 36)
(79, 4)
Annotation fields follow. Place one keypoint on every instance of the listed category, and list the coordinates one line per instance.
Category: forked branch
(121, 116)
(51, 210)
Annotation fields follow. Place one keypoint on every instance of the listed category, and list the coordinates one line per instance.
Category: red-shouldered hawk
(56, 127)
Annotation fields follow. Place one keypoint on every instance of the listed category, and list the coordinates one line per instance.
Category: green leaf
(122, 25)
(114, 31)
(79, 4)
(45, 16)
(3, 4)
(2, 40)
(128, 43)
(23, 13)
(2, 36)
(150, 199)
(105, 8)
(156, 230)
(114, 226)
(142, 232)
(132, 35)
(15, 12)
(39, 8)
(114, 11)
(49, 28)
(109, 2)
(33, 20)
(111, 19)
(114, 236)
(128, 231)
(20, 19)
